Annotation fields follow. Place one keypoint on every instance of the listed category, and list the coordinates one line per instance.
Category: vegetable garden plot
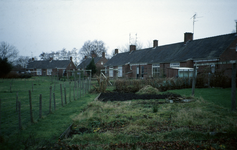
(116, 96)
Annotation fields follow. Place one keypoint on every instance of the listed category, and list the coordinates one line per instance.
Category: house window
(187, 73)
(174, 65)
(212, 68)
(156, 70)
(102, 63)
(49, 71)
(120, 73)
(111, 72)
(39, 72)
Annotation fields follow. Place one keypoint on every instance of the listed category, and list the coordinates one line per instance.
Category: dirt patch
(116, 96)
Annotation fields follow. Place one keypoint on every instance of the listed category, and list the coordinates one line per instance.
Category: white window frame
(176, 64)
(49, 71)
(39, 72)
(213, 69)
(111, 72)
(120, 71)
(155, 66)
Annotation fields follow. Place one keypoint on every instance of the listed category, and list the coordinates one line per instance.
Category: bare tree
(64, 54)
(8, 51)
(44, 56)
(149, 43)
(22, 61)
(61, 55)
(74, 54)
(95, 46)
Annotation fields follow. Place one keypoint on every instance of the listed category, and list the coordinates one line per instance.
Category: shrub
(12, 75)
(25, 76)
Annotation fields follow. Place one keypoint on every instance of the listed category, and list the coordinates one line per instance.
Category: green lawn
(218, 96)
(52, 124)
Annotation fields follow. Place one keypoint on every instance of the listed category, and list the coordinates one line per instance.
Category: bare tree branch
(8, 51)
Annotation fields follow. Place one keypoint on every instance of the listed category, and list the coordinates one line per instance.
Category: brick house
(51, 67)
(99, 62)
(176, 59)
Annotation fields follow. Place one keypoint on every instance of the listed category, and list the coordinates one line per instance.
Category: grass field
(141, 124)
(218, 96)
(41, 85)
(131, 124)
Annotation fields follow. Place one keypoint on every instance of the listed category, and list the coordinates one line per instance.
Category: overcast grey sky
(49, 25)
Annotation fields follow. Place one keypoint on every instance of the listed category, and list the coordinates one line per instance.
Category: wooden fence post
(16, 101)
(80, 84)
(188, 79)
(19, 115)
(84, 86)
(50, 99)
(233, 88)
(10, 86)
(54, 101)
(194, 78)
(31, 114)
(74, 93)
(65, 95)
(77, 90)
(61, 94)
(40, 106)
(70, 91)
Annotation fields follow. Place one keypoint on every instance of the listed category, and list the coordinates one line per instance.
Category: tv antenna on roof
(194, 17)
(132, 40)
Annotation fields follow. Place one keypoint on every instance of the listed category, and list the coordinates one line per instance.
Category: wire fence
(26, 101)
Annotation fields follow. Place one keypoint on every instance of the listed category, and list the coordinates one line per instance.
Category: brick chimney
(155, 43)
(116, 51)
(85, 57)
(103, 54)
(33, 58)
(132, 48)
(71, 58)
(51, 58)
(188, 37)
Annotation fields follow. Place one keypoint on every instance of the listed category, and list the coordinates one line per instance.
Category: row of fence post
(81, 85)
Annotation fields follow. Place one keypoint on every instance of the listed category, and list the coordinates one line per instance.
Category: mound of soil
(116, 96)
(148, 90)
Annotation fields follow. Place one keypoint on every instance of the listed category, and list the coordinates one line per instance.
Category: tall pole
(233, 88)
(194, 78)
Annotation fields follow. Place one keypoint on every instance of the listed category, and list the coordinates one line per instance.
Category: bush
(25, 76)
(5, 67)
(12, 75)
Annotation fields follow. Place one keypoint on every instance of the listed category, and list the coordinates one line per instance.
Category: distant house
(99, 62)
(174, 60)
(51, 67)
